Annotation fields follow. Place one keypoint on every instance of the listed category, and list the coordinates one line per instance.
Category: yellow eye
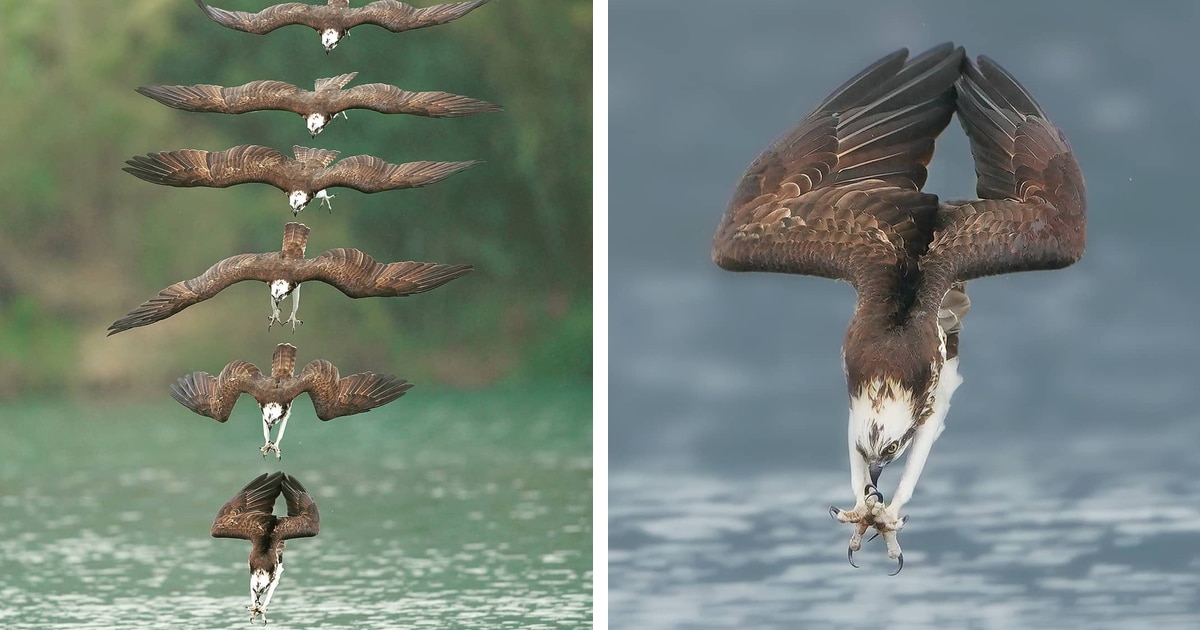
(891, 449)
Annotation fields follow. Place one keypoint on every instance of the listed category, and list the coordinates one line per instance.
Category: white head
(330, 38)
(279, 290)
(260, 579)
(274, 412)
(297, 199)
(316, 123)
(883, 419)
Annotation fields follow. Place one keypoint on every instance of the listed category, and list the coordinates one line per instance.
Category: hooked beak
(873, 469)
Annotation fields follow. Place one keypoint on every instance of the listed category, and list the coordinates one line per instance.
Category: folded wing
(215, 396)
(303, 519)
(248, 514)
(334, 397)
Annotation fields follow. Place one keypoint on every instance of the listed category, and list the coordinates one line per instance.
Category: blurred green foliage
(82, 243)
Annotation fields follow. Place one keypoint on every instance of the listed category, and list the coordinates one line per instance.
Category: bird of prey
(302, 179)
(248, 516)
(353, 273)
(317, 107)
(332, 396)
(334, 20)
(839, 196)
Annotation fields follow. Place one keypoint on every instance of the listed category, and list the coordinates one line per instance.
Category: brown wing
(1032, 209)
(248, 163)
(303, 519)
(397, 16)
(264, 21)
(358, 275)
(185, 293)
(248, 514)
(839, 195)
(334, 397)
(370, 174)
(215, 396)
(389, 99)
(251, 97)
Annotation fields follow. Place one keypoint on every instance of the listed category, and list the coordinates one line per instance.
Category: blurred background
(84, 243)
(467, 503)
(1062, 492)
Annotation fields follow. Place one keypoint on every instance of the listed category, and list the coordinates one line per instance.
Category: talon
(833, 513)
(873, 536)
(870, 491)
(900, 566)
(850, 557)
(903, 520)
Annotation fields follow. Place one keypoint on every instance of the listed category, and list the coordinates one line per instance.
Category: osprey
(334, 20)
(840, 197)
(303, 179)
(353, 273)
(248, 516)
(317, 107)
(332, 397)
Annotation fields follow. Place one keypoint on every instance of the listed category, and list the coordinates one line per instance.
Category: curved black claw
(900, 559)
(872, 490)
(833, 513)
(850, 557)
(873, 536)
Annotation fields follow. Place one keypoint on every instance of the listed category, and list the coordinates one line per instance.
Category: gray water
(453, 510)
(1063, 492)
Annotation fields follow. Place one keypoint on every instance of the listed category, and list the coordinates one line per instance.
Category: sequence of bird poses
(840, 196)
(307, 176)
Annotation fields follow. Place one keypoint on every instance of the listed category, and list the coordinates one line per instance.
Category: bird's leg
(273, 318)
(324, 196)
(269, 445)
(279, 436)
(295, 307)
(271, 591)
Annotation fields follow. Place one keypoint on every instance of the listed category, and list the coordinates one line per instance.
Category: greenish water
(441, 510)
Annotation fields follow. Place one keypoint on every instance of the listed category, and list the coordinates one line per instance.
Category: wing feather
(251, 97)
(242, 164)
(1032, 209)
(248, 514)
(370, 174)
(303, 519)
(215, 396)
(357, 275)
(398, 16)
(264, 21)
(389, 99)
(839, 196)
(334, 397)
(185, 293)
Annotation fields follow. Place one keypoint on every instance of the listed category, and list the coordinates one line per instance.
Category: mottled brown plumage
(332, 396)
(248, 516)
(324, 102)
(303, 178)
(840, 197)
(351, 271)
(337, 16)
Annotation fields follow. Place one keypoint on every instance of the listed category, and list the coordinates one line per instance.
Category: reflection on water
(1003, 534)
(428, 519)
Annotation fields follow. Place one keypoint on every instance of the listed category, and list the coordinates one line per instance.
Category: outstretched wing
(248, 514)
(1031, 213)
(251, 97)
(397, 16)
(358, 275)
(264, 21)
(334, 397)
(303, 519)
(839, 196)
(215, 396)
(247, 163)
(389, 99)
(185, 293)
(370, 174)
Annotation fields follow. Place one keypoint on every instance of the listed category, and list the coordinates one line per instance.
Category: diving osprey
(318, 107)
(354, 273)
(334, 20)
(248, 516)
(332, 396)
(840, 197)
(303, 179)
